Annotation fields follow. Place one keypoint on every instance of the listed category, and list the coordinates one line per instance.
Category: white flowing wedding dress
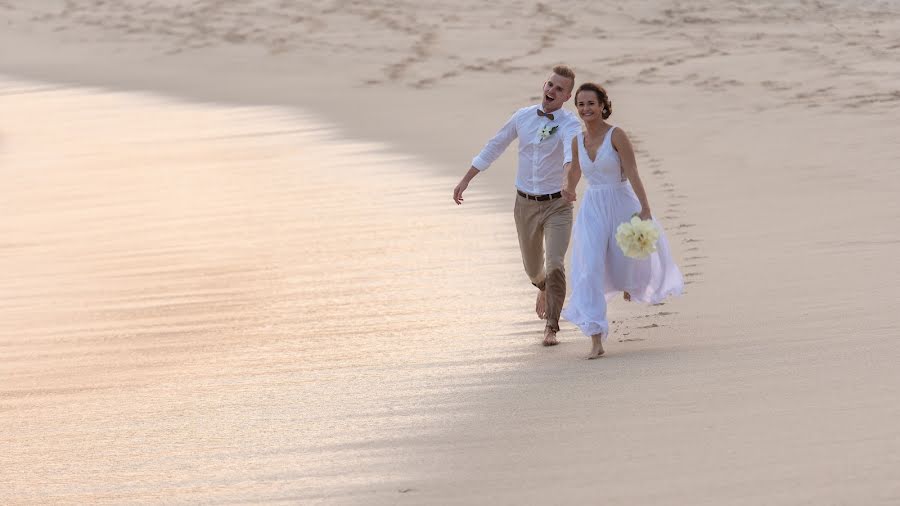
(600, 270)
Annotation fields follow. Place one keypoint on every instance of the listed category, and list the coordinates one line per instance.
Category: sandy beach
(232, 271)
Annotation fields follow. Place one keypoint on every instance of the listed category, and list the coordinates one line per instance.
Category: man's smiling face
(557, 91)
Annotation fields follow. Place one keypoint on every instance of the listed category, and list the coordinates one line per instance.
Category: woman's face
(588, 104)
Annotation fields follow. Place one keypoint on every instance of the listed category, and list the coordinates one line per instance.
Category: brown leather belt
(549, 196)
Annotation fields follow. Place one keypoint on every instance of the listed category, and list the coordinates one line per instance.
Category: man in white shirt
(543, 216)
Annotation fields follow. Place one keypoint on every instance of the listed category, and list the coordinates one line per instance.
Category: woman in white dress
(600, 270)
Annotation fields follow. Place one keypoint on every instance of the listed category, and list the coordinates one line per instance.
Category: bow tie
(548, 115)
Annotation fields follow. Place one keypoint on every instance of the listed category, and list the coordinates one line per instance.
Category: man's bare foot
(540, 305)
(550, 337)
(627, 297)
(597, 347)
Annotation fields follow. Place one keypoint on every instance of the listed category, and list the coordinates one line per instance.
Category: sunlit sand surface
(229, 297)
(222, 304)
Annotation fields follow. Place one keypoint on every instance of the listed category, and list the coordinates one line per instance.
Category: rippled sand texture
(205, 303)
(663, 61)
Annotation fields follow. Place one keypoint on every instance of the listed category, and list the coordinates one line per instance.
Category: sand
(232, 271)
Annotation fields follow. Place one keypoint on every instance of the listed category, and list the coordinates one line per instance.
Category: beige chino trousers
(545, 225)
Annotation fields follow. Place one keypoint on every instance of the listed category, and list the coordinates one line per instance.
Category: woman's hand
(569, 195)
(645, 214)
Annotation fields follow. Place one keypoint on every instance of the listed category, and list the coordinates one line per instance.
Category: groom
(543, 217)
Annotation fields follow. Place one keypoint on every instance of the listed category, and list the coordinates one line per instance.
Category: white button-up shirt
(541, 160)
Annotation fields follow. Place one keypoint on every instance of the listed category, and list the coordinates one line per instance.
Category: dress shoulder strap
(609, 135)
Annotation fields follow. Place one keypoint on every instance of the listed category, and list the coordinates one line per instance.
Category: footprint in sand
(680, 230)
(661, 313)
(630, 339)
(651, 326)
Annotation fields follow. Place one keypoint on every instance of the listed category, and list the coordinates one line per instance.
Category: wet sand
(200, 294)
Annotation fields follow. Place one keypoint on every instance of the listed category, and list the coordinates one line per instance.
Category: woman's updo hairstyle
(605, 103)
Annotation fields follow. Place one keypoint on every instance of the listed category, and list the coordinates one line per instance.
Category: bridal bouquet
(637, 238)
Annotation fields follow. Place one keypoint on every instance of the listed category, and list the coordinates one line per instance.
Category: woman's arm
(573, 174)
(629, 167)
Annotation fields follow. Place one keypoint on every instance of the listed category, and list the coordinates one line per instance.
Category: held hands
(569, 195)
(458, 191)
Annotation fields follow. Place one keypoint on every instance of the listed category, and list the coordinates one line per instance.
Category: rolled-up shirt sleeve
(572, 129)
(497, 145)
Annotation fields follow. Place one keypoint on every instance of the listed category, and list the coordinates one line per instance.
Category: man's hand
(569, 195)
(458, 191)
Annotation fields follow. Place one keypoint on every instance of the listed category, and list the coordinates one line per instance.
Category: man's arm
(491, 151)
(572, 129)
(572, 174)
(463, 184)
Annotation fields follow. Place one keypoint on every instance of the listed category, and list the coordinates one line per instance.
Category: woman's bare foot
(540, 306)
(550, 337)
(627, 297)
(597, 347)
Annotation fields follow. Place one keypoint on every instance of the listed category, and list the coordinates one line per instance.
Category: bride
(600, 270)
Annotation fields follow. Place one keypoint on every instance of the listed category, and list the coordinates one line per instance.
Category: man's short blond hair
(567, 72)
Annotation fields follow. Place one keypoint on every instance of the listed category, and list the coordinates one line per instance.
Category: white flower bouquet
(637, 238)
